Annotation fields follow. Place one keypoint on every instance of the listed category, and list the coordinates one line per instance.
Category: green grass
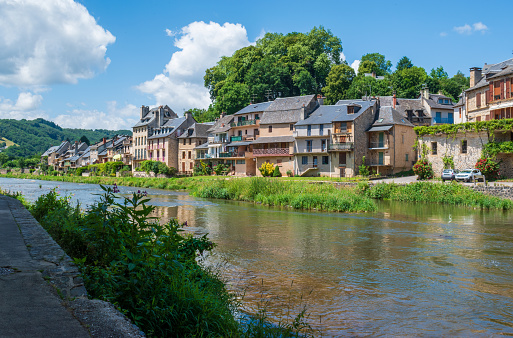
(7, 142)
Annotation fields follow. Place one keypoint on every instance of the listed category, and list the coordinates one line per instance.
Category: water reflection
(408, 270)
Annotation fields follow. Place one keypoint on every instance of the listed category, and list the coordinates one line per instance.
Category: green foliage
(404, 63)
(204, 115)
(102, 169)
(453, 194)
(489, 168)
(448, 162)
(491, 149)
(157, 167)
(220, 169)
(408, 81)
(338, 82)
(363, 170)
(277, 172)
(36, 136)
(383, 65)
(423, 169)
(289, 173)
(368, 67)
(452, 129)
(368, 86)
(266, 169)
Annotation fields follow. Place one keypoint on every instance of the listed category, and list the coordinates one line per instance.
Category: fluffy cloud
(26, 107)
(48, 42)
(355, 65)
(467, 29)
(115, 118)
(201, 45)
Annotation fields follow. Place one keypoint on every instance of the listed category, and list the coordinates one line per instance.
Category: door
(450, 118)
(342, 159)
(380, 159)
(381, 141)
(315, 161)
(183, 166)
(438, 117)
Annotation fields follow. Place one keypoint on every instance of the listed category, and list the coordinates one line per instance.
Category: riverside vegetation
(151, 271)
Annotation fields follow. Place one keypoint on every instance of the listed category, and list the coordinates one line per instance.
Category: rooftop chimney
(144, 111)
(475, 76)
(394, 101)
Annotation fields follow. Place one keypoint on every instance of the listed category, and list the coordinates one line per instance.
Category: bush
(221, 169)
(289, 173)
(423, 169)
(267, 169)
(276, 172)
(363, 170)
(489, 168)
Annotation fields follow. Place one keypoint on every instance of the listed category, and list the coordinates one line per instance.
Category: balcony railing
(219, 140)
(232, 154)
(341, 131)
(243, 123)
(378, 145)
(341, 146)
(235, 138)
(447, 120)
(271, 152)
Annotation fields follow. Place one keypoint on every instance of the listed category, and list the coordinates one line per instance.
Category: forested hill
(36, 136)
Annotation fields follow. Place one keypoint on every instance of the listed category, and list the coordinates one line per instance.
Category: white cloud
(342, 56)
(443, 34)
(465, 29)
(48, 42)
(115, 118)
(170, 32)
(201, 45)
(480, 27)
(355, 65)
(26, 107)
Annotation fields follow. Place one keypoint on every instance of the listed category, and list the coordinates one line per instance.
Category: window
(343, 127)
(406, 157)
(325, 160)
(478, 99)
(256, 117)
(434, 148)
(321, 129)
(270, 129)
(183, 155)
(144, 153)
(278, 161)
(163, 153)
(309, 146)
(184, 141)
(350, 109)
(241, 162)
(342, 159)
(190, 154)
(402, 138)
(464, 146)
(323, 145)
(191, 165)
(190, 141)
(291, 127)
(309, 130)
(315, 161)
(304, 160)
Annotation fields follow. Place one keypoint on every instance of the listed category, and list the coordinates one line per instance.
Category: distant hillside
(36, 136)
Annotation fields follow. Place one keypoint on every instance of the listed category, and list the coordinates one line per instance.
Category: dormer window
(350, 109)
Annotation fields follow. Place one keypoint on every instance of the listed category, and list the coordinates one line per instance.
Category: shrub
(289, 173)
(363, 170)
(221, 169)
(423, 169)
(266, 169)
(489, 167)
(276, 172)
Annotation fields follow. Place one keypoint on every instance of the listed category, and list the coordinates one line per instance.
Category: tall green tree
(368, 67)
(383, 64)
(368, 86)
(338, 82)
(407, 82)
(404, 63)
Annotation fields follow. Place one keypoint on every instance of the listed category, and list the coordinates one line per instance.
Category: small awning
(275, 139)
(239, 143)
(117, 157)
(380, 128)
(501, 105)
(202, 146)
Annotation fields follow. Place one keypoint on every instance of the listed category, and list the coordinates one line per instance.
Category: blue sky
(93, 63)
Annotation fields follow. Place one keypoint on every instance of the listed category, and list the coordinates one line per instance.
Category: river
(406, 270)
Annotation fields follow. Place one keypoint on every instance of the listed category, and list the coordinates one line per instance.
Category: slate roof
(273, 139)
(389, 116)
(168, 113)
(287, 109)
(489, 71)
(172, 125)
(50, 151)
(433, 101)
(144, 121)
(202, 146)
(221, 125)
(336, 113)
(461, 102)
(402, 105)
(197, 130)
(506, 71)
(254, 108)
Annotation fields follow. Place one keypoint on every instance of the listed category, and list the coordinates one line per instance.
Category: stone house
(460, 111)
(144, 128)
(56, 153)
(214, 151)
(162, 144)
(490, 93)
(275, 143)
(193, 136)
(391, 138)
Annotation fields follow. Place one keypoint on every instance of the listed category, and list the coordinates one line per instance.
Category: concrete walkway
(41, 291)
(29, 306)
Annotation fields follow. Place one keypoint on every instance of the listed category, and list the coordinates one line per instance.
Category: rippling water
(407, 270)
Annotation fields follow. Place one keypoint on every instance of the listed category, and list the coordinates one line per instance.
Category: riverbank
(304, 194)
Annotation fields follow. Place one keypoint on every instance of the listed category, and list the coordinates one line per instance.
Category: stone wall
(495, 190)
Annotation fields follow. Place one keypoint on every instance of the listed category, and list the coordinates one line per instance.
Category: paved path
(29, 307)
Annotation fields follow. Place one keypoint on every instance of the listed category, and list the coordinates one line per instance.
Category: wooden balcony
(271, 152)
(342, 146)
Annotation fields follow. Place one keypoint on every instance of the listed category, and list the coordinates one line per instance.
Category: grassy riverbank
(302, 194)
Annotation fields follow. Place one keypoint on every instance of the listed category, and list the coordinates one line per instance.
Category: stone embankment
(101, 319)
(495, 190)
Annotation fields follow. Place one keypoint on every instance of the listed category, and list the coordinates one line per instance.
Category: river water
(407, 270)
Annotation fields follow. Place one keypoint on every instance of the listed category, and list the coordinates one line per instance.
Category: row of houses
(305, 137)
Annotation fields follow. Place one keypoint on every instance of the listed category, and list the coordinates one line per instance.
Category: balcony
(444, 120)
(342, 131)
(243, 123)
(232, 154)
(343, 146)
(378, 145)
(235, 138)
(271, 152)
(219, 140)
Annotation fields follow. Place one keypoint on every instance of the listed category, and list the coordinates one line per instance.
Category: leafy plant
(423, 169)
(220, 169)
(363, 170)
(277, 172)
(448, 162)
(489, 168)
(266, 169)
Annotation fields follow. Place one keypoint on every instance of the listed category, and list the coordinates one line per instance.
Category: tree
(408, 81)
(368, 67)
(384, 65)
(232, 97)
(204, 115)
(305, 82)
(338, 82)
(368, 86)
(85, 140)
(404, 63)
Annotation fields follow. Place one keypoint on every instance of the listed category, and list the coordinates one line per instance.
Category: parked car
(449, 174)
(469, 175)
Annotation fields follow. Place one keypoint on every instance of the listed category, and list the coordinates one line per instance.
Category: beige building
(163, 142)
(193, 137)
(150, 121)
(391, 138)
(275, 143)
